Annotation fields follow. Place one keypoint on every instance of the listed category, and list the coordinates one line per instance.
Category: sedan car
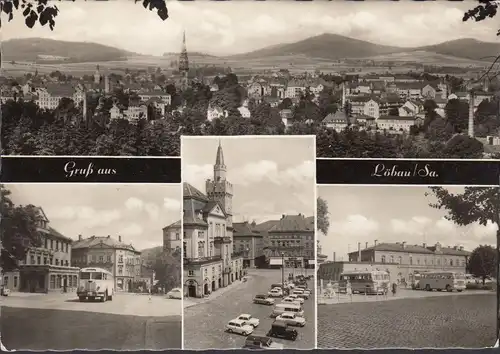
(296, 298)
(239, 326)
(276, 292)
(261, 342)
(263, 300)
(290, 300)
(291, 319)
(248, 319)
(175, 293)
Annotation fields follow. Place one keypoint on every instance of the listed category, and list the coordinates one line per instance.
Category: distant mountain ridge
(334, 47)
(40, 49)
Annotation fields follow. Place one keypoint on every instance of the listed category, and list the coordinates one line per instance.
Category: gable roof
(188, 191)
(399, 247)
(103, 241)
(245, 229)
(293, 223)
(211, 206)
(173, 225)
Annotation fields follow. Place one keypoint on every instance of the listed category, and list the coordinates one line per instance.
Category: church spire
(184, 62)
(219, 167)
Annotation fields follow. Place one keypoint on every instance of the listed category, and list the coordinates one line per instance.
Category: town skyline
(257, 171)
(266, 24)
(137, 213)
(392, 214)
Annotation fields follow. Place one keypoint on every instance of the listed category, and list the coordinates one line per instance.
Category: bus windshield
(89, 275)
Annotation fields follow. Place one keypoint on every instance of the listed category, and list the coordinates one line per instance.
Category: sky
(231, 27)
(136, 212)
(270, 176)
(392, 214)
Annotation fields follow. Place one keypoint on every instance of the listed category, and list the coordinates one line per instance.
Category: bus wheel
(428, 287)
(81, 298)
(105, 297)
(448, 288)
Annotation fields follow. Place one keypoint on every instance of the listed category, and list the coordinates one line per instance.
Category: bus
(96, 283)
(366, 282)
(448, 281)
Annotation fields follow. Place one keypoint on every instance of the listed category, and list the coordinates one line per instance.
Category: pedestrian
(394, 289)
(149, 293)
(348, 290)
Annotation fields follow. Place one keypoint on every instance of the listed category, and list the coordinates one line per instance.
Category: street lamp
(283, 272)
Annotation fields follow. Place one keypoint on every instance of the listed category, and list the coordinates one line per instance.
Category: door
(191, 291)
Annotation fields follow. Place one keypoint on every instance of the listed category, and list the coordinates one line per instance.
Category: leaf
(163, 13)
(11, 16)
(31, 19)
(7, 7)
(15, 3)
(26, 11)
(145, 3)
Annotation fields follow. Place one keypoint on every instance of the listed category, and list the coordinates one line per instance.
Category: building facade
(291, 242)
(401, 260)
(46, 268)
(209, 260)
(172, 237)
(122, 260)
(250, 242)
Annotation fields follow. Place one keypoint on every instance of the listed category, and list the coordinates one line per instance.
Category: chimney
(282, 216)
(79, 237)
(366, 244)
(359, 251)
(403, 244)
(119, 239)
(471, 114)
(334, 256)
(376, 242)
(455, 247)
(109, 236)
(424, 245)
(461, 248)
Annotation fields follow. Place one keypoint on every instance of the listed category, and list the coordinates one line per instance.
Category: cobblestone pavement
(204, 323)
(122, 304)
(60, 322)
(438, 322)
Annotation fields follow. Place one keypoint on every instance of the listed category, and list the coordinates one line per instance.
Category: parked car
(296, 298)
(263, 300)
(291, 319)
(303, 296)
(276, 292)
(280, 329)
(261, 342)
(252, 321)
(290, 300)
(239, 326)
(5, 291)
(175, 293)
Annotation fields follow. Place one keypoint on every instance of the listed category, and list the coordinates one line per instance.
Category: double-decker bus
(366, 282)
(96, 283)
(448, 281)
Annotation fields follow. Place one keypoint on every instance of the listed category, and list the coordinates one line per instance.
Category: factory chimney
(359, 251)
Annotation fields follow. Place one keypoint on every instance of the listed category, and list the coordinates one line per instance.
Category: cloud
(90, 216)
(354, 225)
(134, 203)
(172, 204)
(417, 225)
(131, 230)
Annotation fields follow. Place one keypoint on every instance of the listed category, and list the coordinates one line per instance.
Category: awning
(275, 261)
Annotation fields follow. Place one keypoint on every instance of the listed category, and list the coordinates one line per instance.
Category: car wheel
(229, 330)
(245, 333)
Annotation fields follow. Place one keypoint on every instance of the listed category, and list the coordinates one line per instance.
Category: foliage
(323, 219)
(439, 130)
(167, 268)
(483, 262)
(45, 12)
(485, 9)
(19, 230)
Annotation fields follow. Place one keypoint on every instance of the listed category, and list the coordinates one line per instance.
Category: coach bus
(366, 282)
(439, 281)
(96, 284)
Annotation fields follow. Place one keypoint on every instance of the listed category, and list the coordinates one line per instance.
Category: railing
(225, 239)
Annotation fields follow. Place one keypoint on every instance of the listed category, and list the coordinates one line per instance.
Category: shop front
(47, 278)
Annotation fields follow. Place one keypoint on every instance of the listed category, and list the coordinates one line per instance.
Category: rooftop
(102, 241)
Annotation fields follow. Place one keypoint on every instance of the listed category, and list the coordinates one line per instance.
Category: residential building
(51, 95)
(244, 111)
(372, 108)
(286, 117)
(172, 241)
(158, 94)
(397, 123)
(209, 260)
(215, 112)
(291, 240)
(337, 121)
(249, 241)
(122, 260)
(401, 260)
(133, 113)
(46, 268)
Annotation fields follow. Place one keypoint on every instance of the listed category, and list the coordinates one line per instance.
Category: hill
(326, 46)
(333, 46)
(150, 255)
(465, 48)
(50, 50)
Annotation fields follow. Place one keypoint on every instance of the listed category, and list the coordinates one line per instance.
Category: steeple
(184, 62)
(219, 167)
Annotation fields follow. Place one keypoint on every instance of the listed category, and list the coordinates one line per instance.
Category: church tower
(184, 63)
(219, 189)
(97, 75)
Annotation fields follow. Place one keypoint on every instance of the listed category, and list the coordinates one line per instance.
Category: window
(438, 261)
(120, 269)
(15, 282)
(177, 236)
(392, 259)
(191, 273)
(46, 243)
(108, 258)
(58, 281)
(52, 281)
(51, 244)
(6, 281)
(211, 249)
(38, 259)
(451, 262)
(57, 262)
(32, 259)
(201, 250)
(184, 248)
(44, 260)
(57, 245)
(411, 260)
(120, 258)
(101, 259)
(66, 263)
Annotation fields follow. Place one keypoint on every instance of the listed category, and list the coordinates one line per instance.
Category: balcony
(220, 239)
(201, 260)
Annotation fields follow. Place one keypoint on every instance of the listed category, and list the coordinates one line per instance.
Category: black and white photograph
(407, 267)
(249, 246)
(80, 79)
(89, 266)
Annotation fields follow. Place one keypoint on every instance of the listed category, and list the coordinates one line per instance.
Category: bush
(488, 286)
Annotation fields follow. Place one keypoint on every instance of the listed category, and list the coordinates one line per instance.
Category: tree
(167, 267)
(474, 205)
(19, 230)
(483, 262)
(323, 219)
(439, 130)
(485, 9)
(40, 11)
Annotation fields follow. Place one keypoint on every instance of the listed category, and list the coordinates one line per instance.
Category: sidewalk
(192, 301)
(401, 294)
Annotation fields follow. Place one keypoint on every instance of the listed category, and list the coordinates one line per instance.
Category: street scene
(415, 279)
(110, 284)
(248, 258)
(204, 319)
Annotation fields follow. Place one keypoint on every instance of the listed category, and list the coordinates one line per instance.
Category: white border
(256, 137)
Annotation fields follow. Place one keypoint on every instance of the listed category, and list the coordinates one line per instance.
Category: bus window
(97, 276)
(85, 275)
